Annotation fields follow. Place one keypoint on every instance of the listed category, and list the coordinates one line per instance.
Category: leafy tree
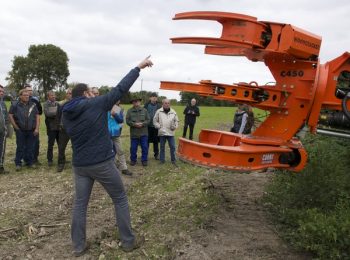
(49, 66)
(187, 96)
(202, 100)
(173, 101)
(104, 90)
(19, 74)
(144, 95)
(61, 92)
(46, 65)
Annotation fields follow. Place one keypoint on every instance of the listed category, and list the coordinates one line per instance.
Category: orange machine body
(303, 87)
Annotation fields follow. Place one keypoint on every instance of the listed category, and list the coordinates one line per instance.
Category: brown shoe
(139, 240)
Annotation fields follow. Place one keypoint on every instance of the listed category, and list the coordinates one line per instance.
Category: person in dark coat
(85, 121)
(25, 119)
(191, 112)
(152, 106)
(63, 137)
(36, 101)
(4, 121)
(52, 124)
(243, 120)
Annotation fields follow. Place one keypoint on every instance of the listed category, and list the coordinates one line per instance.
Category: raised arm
(107, 101)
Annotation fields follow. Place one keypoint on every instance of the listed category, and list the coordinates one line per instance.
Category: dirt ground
(240, 230)
(35, 208)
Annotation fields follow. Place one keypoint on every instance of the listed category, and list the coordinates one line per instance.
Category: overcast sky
(105, 38)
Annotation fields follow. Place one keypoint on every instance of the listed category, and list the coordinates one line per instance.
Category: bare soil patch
(240, 229)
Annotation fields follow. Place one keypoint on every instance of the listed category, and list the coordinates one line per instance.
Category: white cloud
(105, 38)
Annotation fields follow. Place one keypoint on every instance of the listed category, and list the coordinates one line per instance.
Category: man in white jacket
(166, 121)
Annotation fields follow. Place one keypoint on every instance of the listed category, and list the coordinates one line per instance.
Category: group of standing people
(153, 123)
(24, 116)
(84, 115)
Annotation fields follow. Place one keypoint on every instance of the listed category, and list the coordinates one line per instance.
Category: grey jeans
(108, 175)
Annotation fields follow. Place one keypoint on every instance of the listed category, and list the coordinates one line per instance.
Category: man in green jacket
(138, 119)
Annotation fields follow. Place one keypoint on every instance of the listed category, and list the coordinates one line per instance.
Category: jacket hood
(74, 107)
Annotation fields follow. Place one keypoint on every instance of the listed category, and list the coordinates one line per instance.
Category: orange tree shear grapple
(303, 88)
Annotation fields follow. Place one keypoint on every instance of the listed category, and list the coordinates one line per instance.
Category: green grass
(220, 118)
(165, 203)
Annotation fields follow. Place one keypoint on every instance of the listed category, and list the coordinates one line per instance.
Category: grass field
(167, 204)
(220, 118)
(43, 196)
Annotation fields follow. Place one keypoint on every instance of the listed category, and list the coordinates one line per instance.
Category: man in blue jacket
(93, 158)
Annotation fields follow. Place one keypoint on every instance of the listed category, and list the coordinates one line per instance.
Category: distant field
(220, 118)
(211, 118)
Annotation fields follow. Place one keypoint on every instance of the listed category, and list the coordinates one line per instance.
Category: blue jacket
(85, 122)
(114, 122)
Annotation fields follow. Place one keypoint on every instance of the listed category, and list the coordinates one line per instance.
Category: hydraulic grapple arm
(303, 87)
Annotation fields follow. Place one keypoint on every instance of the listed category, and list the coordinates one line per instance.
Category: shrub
(328, 235)
(312, 207)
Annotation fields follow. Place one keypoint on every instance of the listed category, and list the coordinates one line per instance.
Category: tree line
(46, 68)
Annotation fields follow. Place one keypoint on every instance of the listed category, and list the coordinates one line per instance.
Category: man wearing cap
(138, 119)
(152, 106)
